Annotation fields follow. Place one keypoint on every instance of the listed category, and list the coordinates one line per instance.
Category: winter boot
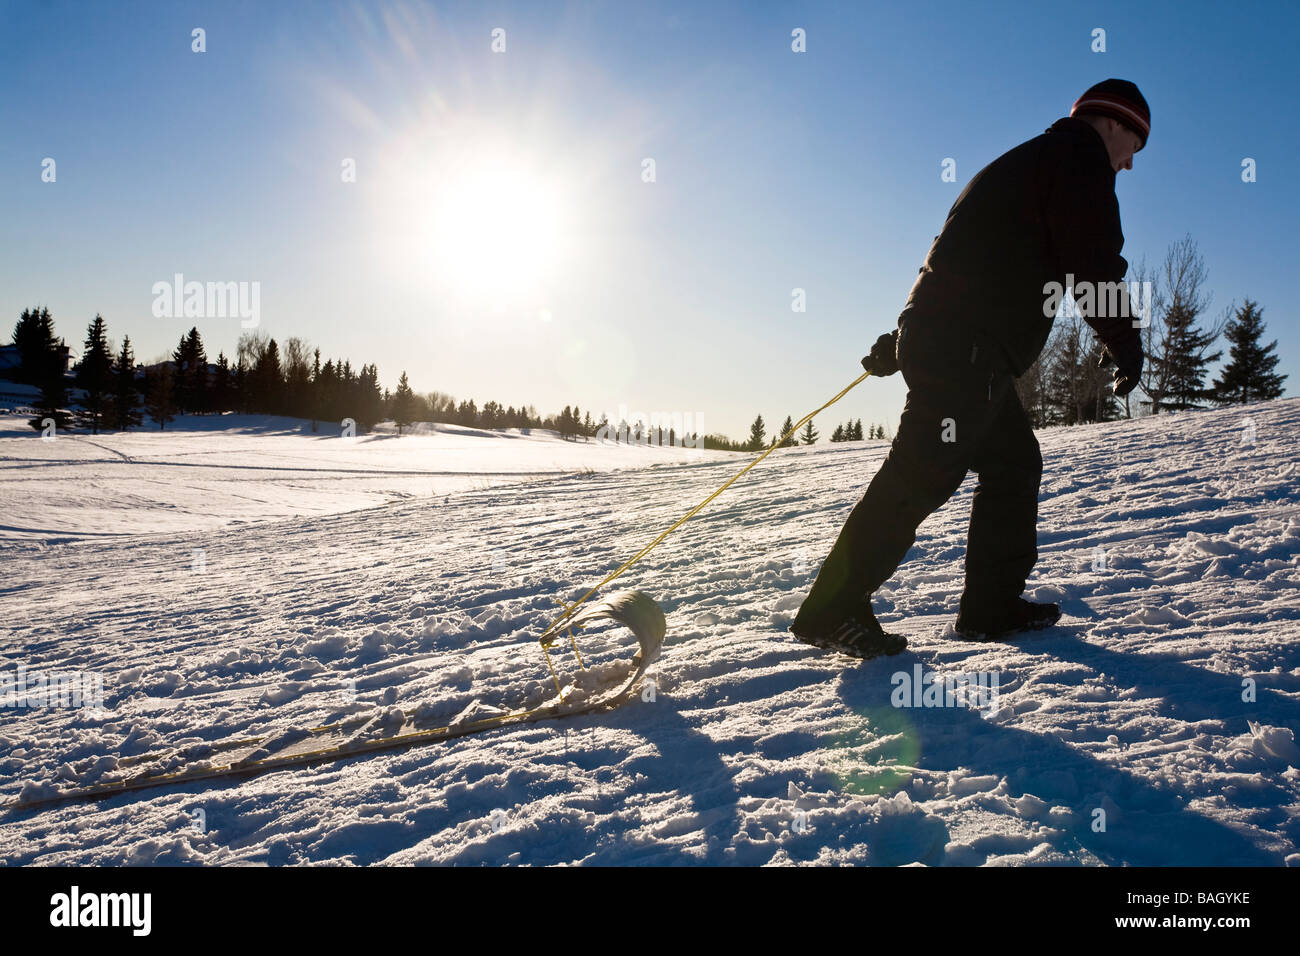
(1020, 616)
(857, 634)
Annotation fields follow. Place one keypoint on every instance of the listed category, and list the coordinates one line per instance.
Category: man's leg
(1002, 544)
(944, 421)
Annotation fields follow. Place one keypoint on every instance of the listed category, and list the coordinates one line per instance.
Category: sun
(478, 216)
(498, 231)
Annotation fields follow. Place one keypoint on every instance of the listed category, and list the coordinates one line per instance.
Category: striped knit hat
(1118, 99)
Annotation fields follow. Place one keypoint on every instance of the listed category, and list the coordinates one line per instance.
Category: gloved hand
(1128, 365)
(883, 357)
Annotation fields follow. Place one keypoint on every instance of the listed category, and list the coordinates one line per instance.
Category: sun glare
(478, 210)
(497, 232)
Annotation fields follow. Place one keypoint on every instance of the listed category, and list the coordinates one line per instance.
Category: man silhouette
(977, 317)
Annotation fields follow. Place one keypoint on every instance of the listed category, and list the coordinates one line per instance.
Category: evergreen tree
(326, 390)
(34, 338)
(589, 428)
(788, 427)
(53, 400)
(240, 384)
(1185, 359)
(756, 432)
(467, 413)
(297, 378)
(44, 365)
(199, 383)
(223, 386)
(159, 395)
(810, 434)
(95, 377)
(857, 431)
(370, 404)
(1065, 374)
(345, 391)
(838, 434)
(268, 382)
(190, 380)
(1249, 375)
(125, 403)
(1175, 350)
(403, 404)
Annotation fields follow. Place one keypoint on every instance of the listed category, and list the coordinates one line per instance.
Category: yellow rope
(554, 676)
(636, 557)
(563, 617)
(574, 642)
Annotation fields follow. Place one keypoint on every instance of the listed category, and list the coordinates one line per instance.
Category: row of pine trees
(264, 378)
(116, 394)
(845, 431)
(111, 395)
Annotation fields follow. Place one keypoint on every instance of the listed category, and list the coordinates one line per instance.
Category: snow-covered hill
(1154, 725)
(214, 471)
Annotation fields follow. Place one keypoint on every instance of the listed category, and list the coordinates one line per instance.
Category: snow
(1154, 725)
(214, 471)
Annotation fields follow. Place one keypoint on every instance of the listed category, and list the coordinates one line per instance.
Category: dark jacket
(1032, 216)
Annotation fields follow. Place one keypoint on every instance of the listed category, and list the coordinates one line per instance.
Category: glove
(1128, 365)
(883, 357)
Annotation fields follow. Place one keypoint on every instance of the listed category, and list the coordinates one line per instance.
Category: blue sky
(773, 171)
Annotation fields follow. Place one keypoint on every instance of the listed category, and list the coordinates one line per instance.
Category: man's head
(1119, 113)
(1121, 142)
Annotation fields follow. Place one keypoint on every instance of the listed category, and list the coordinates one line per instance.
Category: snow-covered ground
(1153, 725)
(208, 471)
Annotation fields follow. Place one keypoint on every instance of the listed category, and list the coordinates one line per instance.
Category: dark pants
(962, 414)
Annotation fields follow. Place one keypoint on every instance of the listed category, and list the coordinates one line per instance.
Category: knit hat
(1118, 99)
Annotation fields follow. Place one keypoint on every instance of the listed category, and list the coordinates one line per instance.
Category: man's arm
(1084, 225)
